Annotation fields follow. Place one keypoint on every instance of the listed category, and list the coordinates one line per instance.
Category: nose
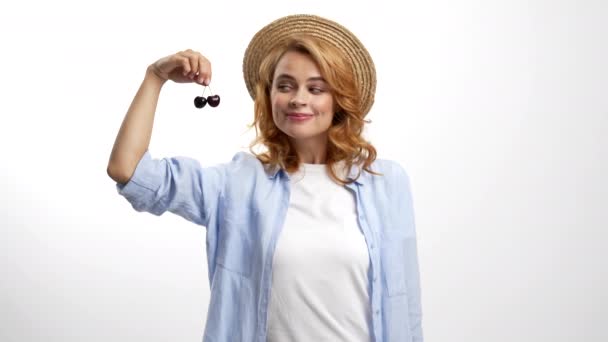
(299, 98)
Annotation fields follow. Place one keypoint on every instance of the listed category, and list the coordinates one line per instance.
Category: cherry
(213, 100)
(200, 102)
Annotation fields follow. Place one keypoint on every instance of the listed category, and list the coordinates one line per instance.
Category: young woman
(312, 240)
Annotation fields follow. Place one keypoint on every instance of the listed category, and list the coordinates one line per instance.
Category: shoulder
(395, 181)
(393, 172)
(245, 165)
(244, 159)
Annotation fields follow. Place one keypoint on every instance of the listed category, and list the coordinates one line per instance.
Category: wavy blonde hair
(345, 141)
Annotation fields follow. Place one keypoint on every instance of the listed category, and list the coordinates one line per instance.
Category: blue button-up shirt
(243, 204)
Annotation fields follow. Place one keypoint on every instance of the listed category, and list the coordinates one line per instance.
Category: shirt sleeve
(412, 274)
(178, 185)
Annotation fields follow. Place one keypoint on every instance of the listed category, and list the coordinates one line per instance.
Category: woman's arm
(135, 132)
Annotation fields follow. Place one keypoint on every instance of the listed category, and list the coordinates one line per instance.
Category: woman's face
(298, 88)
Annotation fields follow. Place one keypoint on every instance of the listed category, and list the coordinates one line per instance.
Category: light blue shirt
(243, 204)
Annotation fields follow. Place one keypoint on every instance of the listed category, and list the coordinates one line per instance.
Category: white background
(497, 109)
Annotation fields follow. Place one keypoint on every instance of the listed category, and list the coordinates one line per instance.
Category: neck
(311, 151)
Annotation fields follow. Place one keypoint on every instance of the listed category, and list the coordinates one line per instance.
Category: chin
(302, 135)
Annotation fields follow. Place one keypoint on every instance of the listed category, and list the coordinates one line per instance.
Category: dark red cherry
(200, 102)
(214, 100)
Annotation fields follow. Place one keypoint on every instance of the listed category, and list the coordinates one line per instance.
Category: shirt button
(377, 312)
(375, 278)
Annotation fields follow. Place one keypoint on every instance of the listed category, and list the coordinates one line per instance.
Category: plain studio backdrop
(497, 109)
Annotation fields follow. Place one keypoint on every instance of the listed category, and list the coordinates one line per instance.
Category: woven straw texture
(283, 28)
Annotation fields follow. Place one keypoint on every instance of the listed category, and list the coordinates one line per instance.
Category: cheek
(325, 105)
(276, 101)
(273, 103)
(276, 108)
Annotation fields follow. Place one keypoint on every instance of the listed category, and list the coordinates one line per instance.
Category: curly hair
(345, 141)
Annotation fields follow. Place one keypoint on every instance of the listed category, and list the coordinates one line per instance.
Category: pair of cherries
(212, 100)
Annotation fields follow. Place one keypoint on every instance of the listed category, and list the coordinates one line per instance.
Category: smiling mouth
(299, 115)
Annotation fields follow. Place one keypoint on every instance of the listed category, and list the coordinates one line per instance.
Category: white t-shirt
(319, 275)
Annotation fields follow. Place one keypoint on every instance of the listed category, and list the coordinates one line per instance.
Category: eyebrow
(318, 78)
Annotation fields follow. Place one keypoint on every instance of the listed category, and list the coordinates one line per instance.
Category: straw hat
(337, 35)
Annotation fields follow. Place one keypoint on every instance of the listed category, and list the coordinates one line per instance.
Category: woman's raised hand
(183, 67)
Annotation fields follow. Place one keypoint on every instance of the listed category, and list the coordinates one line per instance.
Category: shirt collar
(273, 172)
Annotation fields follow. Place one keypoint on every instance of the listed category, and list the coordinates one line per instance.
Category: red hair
(345, 141)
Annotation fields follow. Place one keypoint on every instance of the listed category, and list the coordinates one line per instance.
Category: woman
(312, 240)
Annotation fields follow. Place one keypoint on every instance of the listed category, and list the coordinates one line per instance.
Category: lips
(299, 115)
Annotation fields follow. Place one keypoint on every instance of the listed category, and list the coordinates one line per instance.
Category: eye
(284, 87)
(316, 90)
